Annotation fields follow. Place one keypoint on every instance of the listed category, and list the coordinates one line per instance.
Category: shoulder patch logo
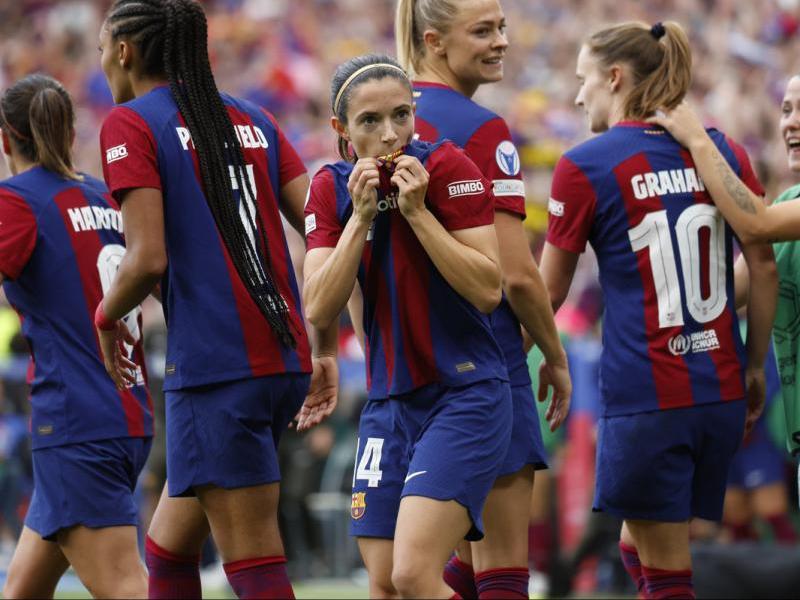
(471, 187)
(555, 207)
(116, 153)
(311, 223)
(507, 158)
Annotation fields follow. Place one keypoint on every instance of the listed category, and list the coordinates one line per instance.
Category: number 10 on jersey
(653, 235)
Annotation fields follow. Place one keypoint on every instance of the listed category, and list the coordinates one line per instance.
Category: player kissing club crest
(359, 505)
(507, 158)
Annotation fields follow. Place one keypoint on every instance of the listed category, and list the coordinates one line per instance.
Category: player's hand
(411, 180)
(323, 393)
(363, 188)
(555, 375)
(683, 123)
(115, 357)
(756, 394)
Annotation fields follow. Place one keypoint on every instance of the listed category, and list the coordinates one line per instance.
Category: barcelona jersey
(444, 113)
(60, 245)
(418, 329)
(670, 333)
(216, 332)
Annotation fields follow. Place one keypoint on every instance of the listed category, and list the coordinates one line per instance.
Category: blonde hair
(412, 19)
(660, 60)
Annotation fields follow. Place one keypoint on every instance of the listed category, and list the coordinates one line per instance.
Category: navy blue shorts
(88, 483)
(439, 442)
(667, 465)
(226, 434)
(758, 462)
(526, 447)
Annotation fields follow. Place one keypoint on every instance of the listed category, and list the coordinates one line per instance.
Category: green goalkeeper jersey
(786, 331)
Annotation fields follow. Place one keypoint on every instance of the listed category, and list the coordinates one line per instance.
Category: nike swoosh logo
(414, 474)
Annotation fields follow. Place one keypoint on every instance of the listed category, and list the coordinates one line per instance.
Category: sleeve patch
(507, 158)
(472, 187)
(555, 208)
(508, 187)
(116, 153)
(311, 223)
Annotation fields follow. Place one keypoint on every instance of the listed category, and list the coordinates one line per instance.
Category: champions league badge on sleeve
(507, 158)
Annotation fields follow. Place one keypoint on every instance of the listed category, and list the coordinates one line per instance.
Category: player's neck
(145, 85)
(443, 76)
(18, 164)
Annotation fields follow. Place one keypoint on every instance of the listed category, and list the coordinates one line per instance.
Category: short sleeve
(291, 166)
(746, 173)
(323, 228)
(571, 207)
(492, 150)
(458, 194)
(129, 153)
(18, 233)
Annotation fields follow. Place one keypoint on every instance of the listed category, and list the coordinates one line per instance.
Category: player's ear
(433, 42)
(6, 144)
(125, 54)
(615, 76)
(340, 128)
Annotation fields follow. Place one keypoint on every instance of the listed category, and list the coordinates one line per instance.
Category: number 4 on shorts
(369, 467)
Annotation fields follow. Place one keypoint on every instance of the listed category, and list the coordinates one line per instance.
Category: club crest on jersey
(359, 505)
(700, 341)
(116, 153)
(507, 158)
(472, 187)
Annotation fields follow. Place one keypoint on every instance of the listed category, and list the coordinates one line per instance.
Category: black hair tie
(658, 30)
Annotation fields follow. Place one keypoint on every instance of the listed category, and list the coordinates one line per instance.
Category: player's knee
(131, 584)
(410, 578)
(382, 590)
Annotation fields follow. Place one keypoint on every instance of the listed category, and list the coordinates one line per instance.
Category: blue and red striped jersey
(418, 329)
(444, 113)
(60, 245)
(670, 333)
(215, 331)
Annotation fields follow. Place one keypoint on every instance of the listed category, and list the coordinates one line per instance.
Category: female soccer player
(751, 220)
(674, 372)
(413, 223)
(60, 245)
(201, 177)
(451, 48)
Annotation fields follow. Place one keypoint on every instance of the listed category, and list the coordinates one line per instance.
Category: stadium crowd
(280, 54)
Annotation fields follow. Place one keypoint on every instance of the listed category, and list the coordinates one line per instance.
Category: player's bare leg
(175, 539)
(427, 531)
(663, 552)
(179, 525)
(505, 523)
(35, 568)
(377, 556)
(106, 560)
(244, 521)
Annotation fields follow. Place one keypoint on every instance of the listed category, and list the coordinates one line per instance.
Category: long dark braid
(172, 36)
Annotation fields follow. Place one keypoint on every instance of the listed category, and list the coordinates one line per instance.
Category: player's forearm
(469, 272)
(530, 302)
(136, 278)
(327, 290)
(744, 210)
(763, 290)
